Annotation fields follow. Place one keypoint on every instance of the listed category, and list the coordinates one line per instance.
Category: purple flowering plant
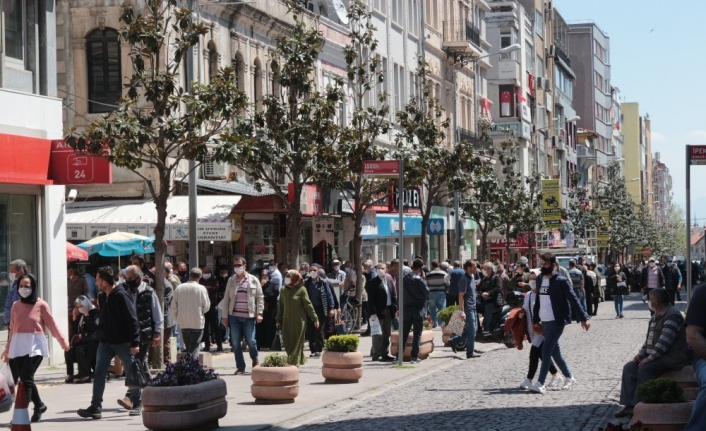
(185, 371)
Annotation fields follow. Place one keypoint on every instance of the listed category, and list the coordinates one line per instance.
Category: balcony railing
(475, 139)
(562, 55)
(455, 31)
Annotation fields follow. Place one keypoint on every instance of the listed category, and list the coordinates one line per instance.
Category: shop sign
(603, 234)
(520, 242)
(369, 223)
(94, 230)
(323, 228)
(551, 203)
(71, 167)
(137, 229)
(311, 199)
(178, 233)
(216, 232)
(411, 198)
(75, 232)
(435, 226)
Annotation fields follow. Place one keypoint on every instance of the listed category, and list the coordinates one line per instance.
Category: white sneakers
(538, 388)
(556, 382)
(569, 383)
(526, 384)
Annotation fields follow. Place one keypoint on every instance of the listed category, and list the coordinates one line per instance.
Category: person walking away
(84, 344)
(455, 276)
(211, 330)
(416, 293)
(552, 310)
(322, 300)
(438, 282)
(265, 331)
(589, 286)
(696, 338)
(243, 303)
(577, 282)
(151, 320)
(664, 349)
(26, 344)
(618, 286)
(536, 340)
(292, 311)
(672, 279)
(491, 295)
(467, 297)
(119, 334)
(189, 307)
(382, 300)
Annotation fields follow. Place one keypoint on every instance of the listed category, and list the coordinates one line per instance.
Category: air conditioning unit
(214, 170)
(549, 7)
(551, 51)
(547, 84)
(540, 82)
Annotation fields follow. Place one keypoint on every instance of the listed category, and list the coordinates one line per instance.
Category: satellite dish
(341, 11)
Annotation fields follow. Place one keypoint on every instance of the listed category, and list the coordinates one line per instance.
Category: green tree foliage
(613, 196)
(581, 212)
(289, 139)
(159, 123)
(438, 168)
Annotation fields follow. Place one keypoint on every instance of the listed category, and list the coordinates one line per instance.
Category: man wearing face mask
(183, 272)
(491, 295)
(324, 305)
(672, 279)
(382, 300)
(336, 272)
(211, 330)
(652, 277)
(275, 275)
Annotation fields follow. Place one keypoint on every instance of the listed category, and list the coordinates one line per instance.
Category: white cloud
(697, 135)
(658, 138)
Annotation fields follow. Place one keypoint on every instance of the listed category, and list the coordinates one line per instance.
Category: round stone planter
(426, 344)
(685, 377)
(275, 385)
(445, 335)
(340, 367)
(191, 407)
(663, 417)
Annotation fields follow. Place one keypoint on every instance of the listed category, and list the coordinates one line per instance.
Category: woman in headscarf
(293, 308)
(26, 342)
(84, 344)
(265, 331)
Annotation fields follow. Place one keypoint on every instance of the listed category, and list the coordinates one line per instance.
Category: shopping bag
(138, 376)
(277, 343)
(341, 328)
(375, 328)
(7, 389)
(330, 327)
(456, 323)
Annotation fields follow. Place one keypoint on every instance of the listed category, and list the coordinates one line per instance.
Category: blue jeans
(469, 332)
(106, 352)
(618, 302)
(242, 327)
(437, 301)
(551, 350)
(698, 413)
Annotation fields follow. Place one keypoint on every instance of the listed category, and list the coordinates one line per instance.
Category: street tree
(436, 166)
(158, 123)
(286, 141)
(581, 212)
(614, 197)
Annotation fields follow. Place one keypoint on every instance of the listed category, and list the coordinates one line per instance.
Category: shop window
(104, 81)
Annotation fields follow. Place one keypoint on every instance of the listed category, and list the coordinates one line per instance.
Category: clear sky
(658, 59)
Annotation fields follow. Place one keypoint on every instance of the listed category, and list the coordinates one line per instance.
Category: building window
(212, 61)
(380, 6)
(414, 17)
(257, 83)
(275, 86)
(507, 100)
(539, 66)
(239, 71)
(539, 24)
(14, 29)
(508, 37)
(104, 81)
(398, 11)
(529, 57)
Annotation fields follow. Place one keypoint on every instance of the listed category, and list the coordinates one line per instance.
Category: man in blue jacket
(553, 310)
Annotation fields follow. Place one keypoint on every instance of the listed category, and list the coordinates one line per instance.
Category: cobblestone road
(483, 394)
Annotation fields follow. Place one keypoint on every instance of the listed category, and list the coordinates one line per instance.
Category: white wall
(30, 115)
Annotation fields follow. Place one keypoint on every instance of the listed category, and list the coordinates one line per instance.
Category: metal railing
(562, 55)
(475, 139)
(455, 31)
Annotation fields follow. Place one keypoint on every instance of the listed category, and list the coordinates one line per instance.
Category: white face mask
(314, 274)
(12, 277)
(287, 280)
(485, 273)
(336, 267)
(239, 270)
(617, 269)
(381, 273)
(533, 284)
(652, 264)
(206, 276)
(25, 291)
(649, 304)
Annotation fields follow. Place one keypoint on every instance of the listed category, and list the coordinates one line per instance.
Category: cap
(335, 261)
(652, 259)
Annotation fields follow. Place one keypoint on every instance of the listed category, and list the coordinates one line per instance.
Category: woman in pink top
(26, 342)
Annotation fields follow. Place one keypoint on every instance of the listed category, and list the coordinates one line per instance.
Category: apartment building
(634, 149)
(662, 189)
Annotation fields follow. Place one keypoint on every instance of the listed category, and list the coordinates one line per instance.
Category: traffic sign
(381, 168)
(435, 226)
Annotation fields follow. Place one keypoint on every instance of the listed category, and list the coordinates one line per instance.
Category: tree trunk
(507, 244)
(357, 254)
(484, 244)
(160, 249)
(294, 228)
(425, 239)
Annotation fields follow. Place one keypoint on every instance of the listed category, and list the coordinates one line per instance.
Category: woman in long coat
(293, 308)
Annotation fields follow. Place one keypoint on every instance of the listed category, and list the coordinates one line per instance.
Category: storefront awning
(232, 187)
(85, 220)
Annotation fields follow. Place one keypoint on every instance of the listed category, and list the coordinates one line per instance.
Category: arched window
(275, 85)
(104, 77)
(212, 61)
(239, 71)
(257, 83)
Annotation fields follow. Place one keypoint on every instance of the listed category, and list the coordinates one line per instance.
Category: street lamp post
(461, 60)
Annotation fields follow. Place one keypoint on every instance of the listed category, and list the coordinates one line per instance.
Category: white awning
(86, 220)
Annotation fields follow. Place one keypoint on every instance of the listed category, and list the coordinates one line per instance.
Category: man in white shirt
(382, 303)
(189, 304)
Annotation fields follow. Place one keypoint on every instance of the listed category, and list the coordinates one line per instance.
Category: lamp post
(461, 60)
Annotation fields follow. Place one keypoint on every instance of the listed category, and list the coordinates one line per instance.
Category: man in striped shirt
(664, 349)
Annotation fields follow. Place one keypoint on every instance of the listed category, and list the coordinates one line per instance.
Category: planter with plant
(343, 363)
(663, 407)
(185, 396)
(426, 343)
(274, 381)
(445, 316)
(686, 378)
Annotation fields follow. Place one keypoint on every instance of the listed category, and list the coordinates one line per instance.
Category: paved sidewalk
(243, 414)
(483, 394)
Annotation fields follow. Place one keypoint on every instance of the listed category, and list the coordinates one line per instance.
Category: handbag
(277, 342)
(621, 288)
(7, 388)
(456, 324)
(138, 376)
(341, 328)
(330, 327)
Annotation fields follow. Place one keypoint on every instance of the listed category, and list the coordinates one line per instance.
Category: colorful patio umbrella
(74, 253)
(118, 244)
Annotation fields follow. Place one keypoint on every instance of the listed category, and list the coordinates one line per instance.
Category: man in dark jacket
(322, 300)
(672, 279)
(382, 302)
(119, 335)
(455, 276)
(490, 289)
(416, 293)
(556, 299)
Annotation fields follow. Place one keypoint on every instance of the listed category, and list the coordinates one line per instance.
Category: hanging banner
(322, 230)
(551, 203)
(603, 234)
(505, 98)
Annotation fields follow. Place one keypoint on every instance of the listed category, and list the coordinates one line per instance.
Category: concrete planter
(426, 344)
(445, 335)
(191, 407)
(275, 385)
(663, 417)
(340, 367)
(685, 377)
